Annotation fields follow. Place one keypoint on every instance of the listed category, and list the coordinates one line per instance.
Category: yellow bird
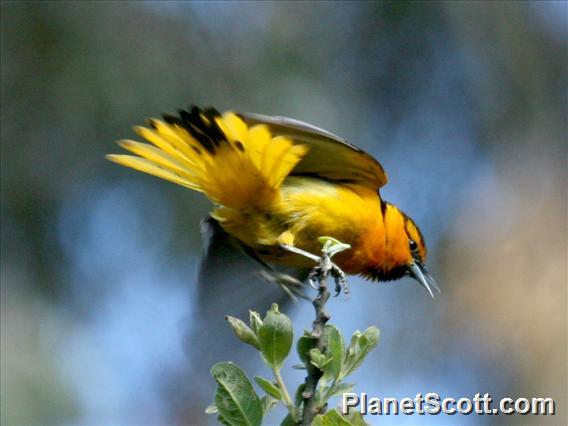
(277, 183)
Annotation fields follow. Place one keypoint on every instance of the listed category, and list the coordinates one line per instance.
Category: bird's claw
(313, 277)
(324, 265)
(340, 280)
(337, 274)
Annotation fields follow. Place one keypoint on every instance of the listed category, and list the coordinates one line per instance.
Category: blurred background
(102, 319)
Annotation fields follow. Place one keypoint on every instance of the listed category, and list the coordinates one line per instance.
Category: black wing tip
(200, 124)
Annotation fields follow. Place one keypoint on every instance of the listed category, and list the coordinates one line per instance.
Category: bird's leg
(315, 272)
(301, 252)
(291, 286)
(324, 265)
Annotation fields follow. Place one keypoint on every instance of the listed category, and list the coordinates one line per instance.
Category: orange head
(404, 250)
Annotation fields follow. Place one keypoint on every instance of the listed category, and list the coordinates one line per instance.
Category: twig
(318, 280)
(320, 274)
(285, 394)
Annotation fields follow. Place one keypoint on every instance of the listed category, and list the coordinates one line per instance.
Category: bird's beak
(418, 271)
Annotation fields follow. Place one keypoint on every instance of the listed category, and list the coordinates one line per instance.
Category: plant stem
(320, 273)
(285, 394)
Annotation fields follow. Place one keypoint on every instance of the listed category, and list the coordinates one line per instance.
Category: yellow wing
(235, 165)
(329, 157)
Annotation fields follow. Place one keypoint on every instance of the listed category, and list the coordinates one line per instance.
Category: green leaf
(305, 343)
(222, 420)
(337, 389)
(332, 246)
(288, 421)
(331, 418)
(328, 240)
(356, 418)
(236, 400)
(275, 337)
(337, 248)
(359, 348)
(243, 331)
(268, 387)
(267, 403)
(299, 367)
(211, 409)
(255, 321)
(299, 396)
(318, 359)
(334, 350)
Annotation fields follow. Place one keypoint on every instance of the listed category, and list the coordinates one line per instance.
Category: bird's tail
(219, 155)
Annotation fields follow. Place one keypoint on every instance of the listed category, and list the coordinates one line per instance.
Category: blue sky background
(463, 103)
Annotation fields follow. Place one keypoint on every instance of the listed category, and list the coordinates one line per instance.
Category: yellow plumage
(243, 170)
(278, 182)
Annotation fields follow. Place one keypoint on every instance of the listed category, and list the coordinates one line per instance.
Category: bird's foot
(324, 266)
(340, 280)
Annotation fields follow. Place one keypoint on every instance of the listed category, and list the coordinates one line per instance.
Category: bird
(277, 184)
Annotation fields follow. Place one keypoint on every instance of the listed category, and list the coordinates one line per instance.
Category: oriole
(278, 182)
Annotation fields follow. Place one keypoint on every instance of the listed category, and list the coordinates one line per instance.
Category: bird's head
(405, 250)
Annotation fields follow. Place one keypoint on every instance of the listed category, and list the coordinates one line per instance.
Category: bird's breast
(309, 208)
(348, 212)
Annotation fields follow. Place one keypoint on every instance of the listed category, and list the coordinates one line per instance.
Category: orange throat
(381, 253)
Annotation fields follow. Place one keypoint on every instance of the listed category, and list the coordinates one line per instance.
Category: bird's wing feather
(227, 271)
(330, 157)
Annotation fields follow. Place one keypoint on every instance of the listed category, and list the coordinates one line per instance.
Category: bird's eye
(413, 245)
